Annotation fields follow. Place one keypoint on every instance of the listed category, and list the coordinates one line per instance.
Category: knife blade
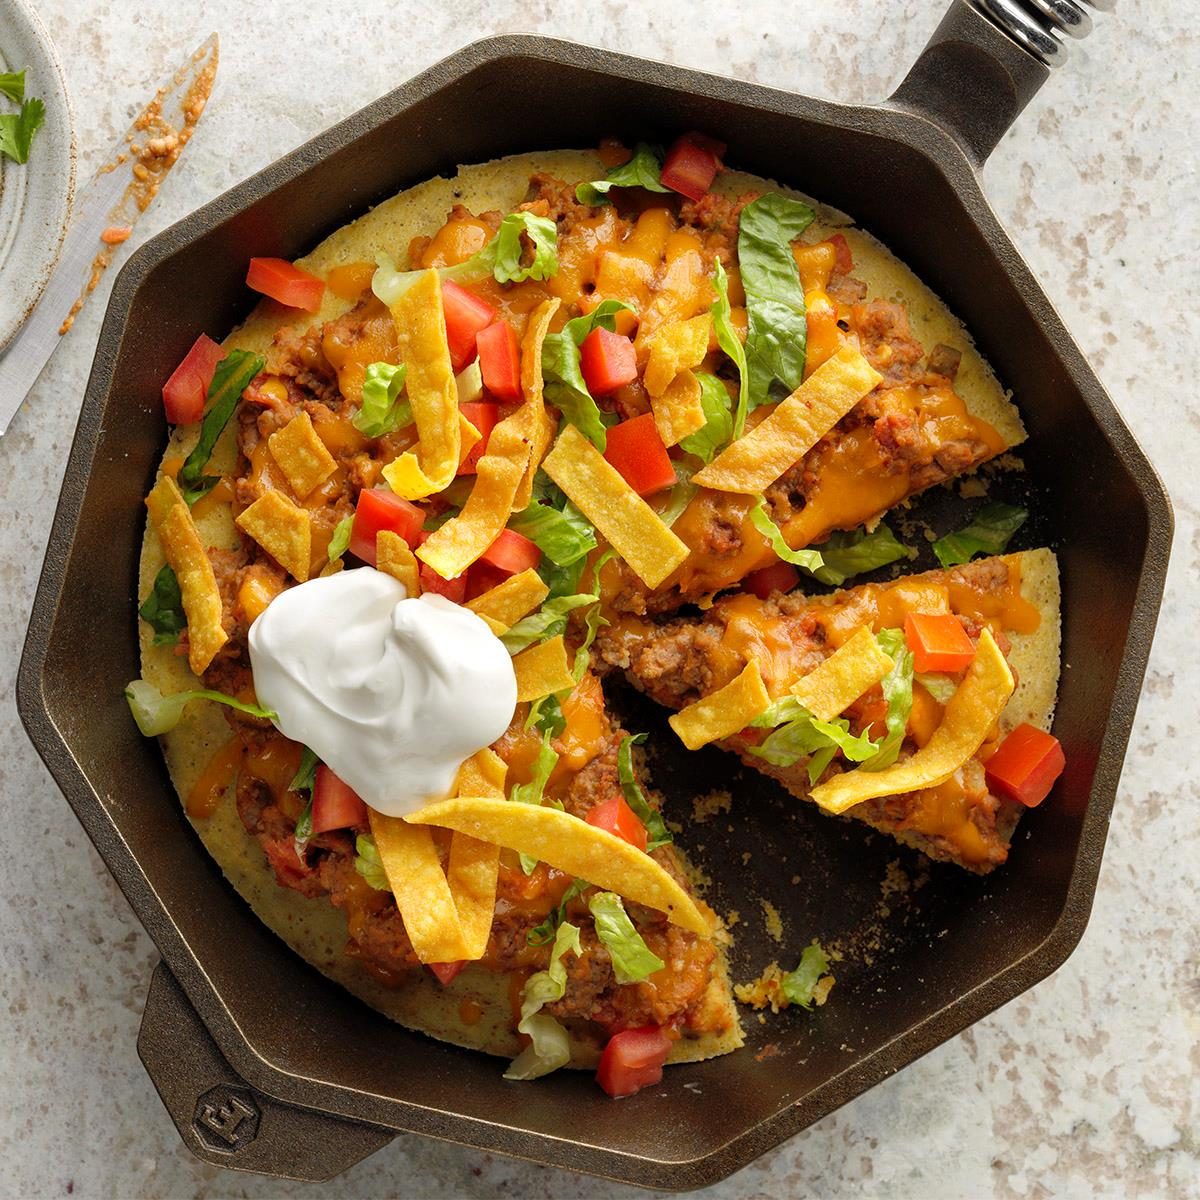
(120, 191)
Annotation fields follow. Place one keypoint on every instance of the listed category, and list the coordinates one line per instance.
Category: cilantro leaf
(17, 129)
(12, 85)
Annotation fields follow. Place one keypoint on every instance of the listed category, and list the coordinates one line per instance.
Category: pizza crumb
(732, 917)
(764, 991)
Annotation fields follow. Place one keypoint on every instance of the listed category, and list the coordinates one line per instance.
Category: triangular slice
(1015, 597)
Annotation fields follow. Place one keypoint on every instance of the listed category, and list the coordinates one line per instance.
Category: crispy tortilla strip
(422, 891)
(679, 411)
(302, 457)
(798, 423)
(472, 872)
(972, 711)
(282, 529)
(675, 348)
(394, 557)
(570, 845)
(421, 345)
(483, 774)
(543, 669)
(725, 712)
(541, 424)
(511, 600)
(855, 666)
(172, 520)
(514, 451)
(497, 627)
(600, 492)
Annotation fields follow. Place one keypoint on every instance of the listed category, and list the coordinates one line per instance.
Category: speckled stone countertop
(1087, 1085)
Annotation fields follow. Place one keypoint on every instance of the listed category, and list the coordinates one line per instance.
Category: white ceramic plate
(35, 199)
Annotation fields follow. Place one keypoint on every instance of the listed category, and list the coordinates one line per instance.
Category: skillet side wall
(295, 1035)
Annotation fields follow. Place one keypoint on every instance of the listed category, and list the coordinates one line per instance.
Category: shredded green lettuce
(776, 321)
(17, 129)
(656, 827)
(897, 687)
(501, 258)
(718, 420)
(546, 715)
(156, 713)
(857, 551)
(339, 543)
(798, 986)
(729, 341)
(162, 610)
(939, 685)
(549, 1046)
(534, 791)
(810, 560)
(549, 621)
(632, 959)
(642, 170)
(566, 388)
(988, 533)
(680, 496)
(231, 378)
(539, 935)
(382, 410)
(368, 863)
(798, 734)
(564, 535)
(306, 773)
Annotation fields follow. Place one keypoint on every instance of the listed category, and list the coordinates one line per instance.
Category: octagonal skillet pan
(263, 1064)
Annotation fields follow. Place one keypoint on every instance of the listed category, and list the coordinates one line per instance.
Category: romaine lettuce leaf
(162, 610)
(632, 959)
(800, 734)
(897, 691)
(810, 560)
(854, 552)
(718, 420)
(339, 543)
(680, 496)
(988, 533)
(729, 341)
(231, 378)
(549, 1046)
(797, 986)
(939, 685)
(642, 170)
(564, 535)
(382, 410)
(656, 827)
(547, 622)
(539, 935)
(368, 863)
(776, 322)
(565, 385)
(156, 713)
(500, 258)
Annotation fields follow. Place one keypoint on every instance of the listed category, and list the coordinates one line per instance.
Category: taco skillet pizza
(563, 416)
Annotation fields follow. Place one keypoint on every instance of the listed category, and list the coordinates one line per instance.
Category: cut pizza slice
(884, 702)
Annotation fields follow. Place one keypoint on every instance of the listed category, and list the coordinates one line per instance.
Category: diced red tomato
(512, 552)
(778, 577)
(483, 414)
(637, 451)
(607, 361)
(1026, 765)
(466, 317)
(453, 589)
(335, 804)
(500, 360)
(615, 815)
(844, 263)
(446, 971)
(938, 642)
(277, 278)
(632, 1060)
(380, 509)
(691, 165)
(289, 869)
(185, 392)
(482, 577)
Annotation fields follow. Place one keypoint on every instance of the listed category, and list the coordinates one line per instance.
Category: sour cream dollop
(392, 693)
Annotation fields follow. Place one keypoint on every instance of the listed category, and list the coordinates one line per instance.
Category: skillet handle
(224, 1121)
(984, 63)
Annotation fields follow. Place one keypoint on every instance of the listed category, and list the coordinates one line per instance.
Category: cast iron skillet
(266, 1066)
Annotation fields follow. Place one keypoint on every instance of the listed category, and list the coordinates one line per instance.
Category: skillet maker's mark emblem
(226, 1118)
